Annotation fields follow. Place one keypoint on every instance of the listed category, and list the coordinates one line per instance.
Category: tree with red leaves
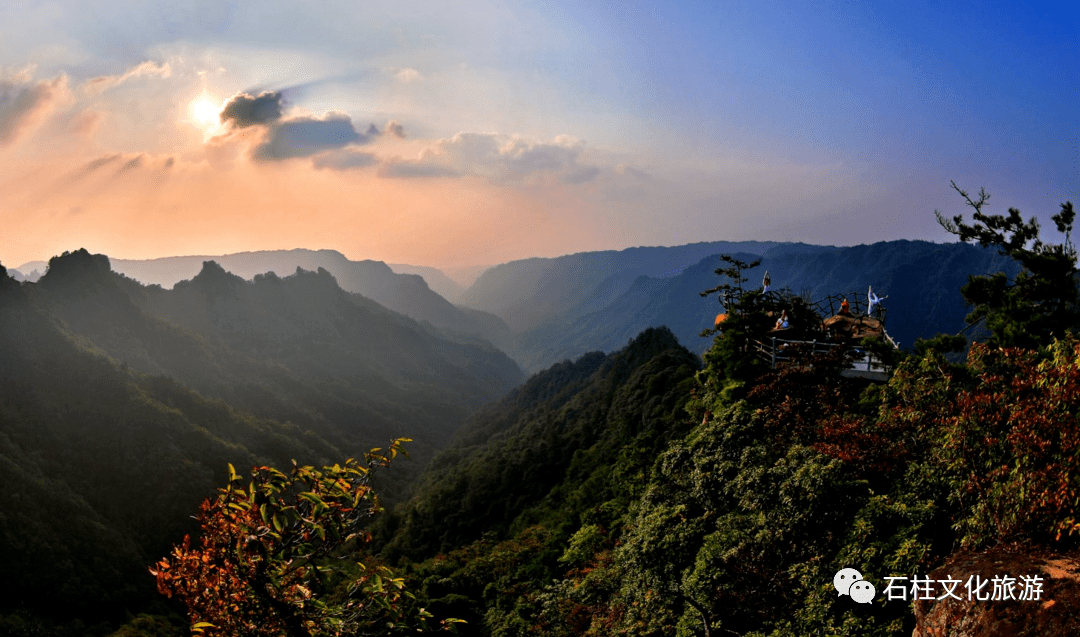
(278, 558)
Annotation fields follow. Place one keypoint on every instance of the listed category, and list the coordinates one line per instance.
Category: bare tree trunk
(704, 616)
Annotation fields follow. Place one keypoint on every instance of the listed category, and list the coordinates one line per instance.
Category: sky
(476, 132)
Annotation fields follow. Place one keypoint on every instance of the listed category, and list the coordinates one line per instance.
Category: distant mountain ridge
(529, 292)
(435, 278)
(544, 310)
(407, 294)
(601, 300)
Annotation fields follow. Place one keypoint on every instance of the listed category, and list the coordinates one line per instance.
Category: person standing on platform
(873, 300)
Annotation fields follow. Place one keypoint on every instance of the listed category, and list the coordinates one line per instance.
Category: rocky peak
(77, 266)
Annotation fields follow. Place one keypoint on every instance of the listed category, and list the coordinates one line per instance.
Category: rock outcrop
(1052, 610)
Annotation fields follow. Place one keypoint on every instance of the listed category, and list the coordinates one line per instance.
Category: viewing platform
(845, 323)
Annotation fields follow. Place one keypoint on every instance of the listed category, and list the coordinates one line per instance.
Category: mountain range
(404, 293)
(922, 281)
(541, 311)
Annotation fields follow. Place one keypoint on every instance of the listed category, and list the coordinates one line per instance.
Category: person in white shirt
(873, 300)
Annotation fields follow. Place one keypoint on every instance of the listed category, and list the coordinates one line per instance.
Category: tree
(732, 291)
(1043, 300)
(730, 363)
(1002, 432)
(276, 559)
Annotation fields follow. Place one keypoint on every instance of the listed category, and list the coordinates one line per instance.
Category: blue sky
(481, 131)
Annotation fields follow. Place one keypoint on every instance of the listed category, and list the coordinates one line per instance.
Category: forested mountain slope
(122, 406)
(346, 346)
(551, 453)
(554, 430)
(102, 467)
(639, 499)
(296, 346)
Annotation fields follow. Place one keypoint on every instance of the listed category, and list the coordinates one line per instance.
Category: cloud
(23, 102)
(345, 159)
(408, 75)
(87, 170)
(131, 164)
(413, 169)
(306, 136)
(244, 110)
(146, 69)
(95, 164)
(497, 158)
(395, 129)
(500, 158)
(581, 174)
(392, 128)
(124, 164)
(625, 169)
(301, 136)
(85, 122)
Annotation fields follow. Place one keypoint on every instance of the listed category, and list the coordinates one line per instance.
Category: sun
(203, 111)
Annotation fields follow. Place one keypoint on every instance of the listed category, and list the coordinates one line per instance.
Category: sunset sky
(476, 132)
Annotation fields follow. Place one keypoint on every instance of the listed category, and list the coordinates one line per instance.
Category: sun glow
(205, 114)
(204, 111)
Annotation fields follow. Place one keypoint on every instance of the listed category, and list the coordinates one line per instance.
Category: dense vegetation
(634, 494)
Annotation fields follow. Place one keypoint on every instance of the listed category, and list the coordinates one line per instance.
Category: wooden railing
(775, 350)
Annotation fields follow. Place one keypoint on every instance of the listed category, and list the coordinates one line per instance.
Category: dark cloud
(288, 138)
(581, 174)
(22, 101)
(130, 165)
(245, 110)
(306, 136)
(392, 128)
(95, 164)
(302, 136)
(345, 159)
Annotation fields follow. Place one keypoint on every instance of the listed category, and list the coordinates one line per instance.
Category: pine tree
(1043, 300)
